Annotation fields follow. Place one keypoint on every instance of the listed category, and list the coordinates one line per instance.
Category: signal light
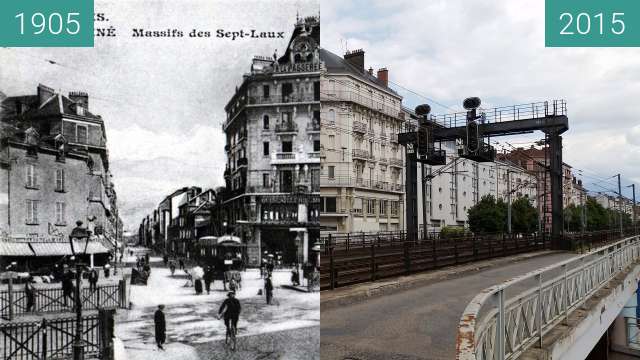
(471, 103)
(422, 110)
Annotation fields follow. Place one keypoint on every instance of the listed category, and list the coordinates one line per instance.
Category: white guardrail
(504, 320)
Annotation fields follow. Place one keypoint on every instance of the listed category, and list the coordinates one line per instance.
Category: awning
(208, 240)
(15, 249)
(229, 240)
(51, 248)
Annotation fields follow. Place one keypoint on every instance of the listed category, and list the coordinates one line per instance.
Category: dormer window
(80, 110)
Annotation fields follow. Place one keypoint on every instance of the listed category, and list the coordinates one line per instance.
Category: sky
(162, 99)
(447, 50)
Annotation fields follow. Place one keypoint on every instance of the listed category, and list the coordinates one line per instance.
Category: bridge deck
(419, 323)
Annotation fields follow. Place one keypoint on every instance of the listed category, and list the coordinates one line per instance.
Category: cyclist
(231, 309)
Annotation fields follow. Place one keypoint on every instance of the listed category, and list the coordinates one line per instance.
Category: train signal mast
(473, 128)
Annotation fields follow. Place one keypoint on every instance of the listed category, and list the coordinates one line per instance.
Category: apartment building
(53, 155)
(362, 177)
(273, 150)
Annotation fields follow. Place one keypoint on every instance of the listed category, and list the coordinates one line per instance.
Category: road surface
(419, 323)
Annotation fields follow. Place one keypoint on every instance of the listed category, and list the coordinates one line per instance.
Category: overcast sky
(162, 99)
(447, 50)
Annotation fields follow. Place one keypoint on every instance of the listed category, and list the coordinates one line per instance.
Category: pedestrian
(181, 262)
(197, 285)
(268, 288)
(295, 276)
(269, 268)
(93, 279)
(107, 271)
(67, 287)
(208, 277)
(172, 267)
(161, 326)
(165, 259)
(262, 269)
(30, 293)
(146, 258)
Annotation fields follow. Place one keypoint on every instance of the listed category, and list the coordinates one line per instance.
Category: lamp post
(77, 236)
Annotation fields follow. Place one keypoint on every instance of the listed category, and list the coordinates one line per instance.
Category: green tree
(524, 217)
(487, 216)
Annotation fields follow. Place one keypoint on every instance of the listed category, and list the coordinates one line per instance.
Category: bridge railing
(503, 321)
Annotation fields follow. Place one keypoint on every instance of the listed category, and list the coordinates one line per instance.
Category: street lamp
(76, 238)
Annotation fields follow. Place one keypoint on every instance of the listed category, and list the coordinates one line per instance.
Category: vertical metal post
(555, 149)
(11, 309)
(424, 200)
(331, 269)
(78, 348)
(44, 339)
(539, 313)
(566, 295)
(500, 331)
(509, 201)
(411, 188)
(620, 205)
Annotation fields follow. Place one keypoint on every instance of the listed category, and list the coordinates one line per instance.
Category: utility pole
(633, 208)
(620, 204)
(509, 201)
(583, 213)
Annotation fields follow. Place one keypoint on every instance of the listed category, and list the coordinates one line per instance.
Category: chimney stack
(81, 98)
(383, 76)
(44, 93)
(355, 58)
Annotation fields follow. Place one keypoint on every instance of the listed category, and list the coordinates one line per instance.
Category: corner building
(273, 151)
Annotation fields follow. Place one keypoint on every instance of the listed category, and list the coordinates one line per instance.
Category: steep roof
(336, 64)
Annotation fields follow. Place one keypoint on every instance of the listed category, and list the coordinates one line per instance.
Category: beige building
(362, 164)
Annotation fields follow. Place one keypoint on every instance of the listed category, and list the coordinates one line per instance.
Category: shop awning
(51, 248)
(15, 249)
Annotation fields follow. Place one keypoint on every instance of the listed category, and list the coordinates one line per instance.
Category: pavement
(418, 316)
(290, 329)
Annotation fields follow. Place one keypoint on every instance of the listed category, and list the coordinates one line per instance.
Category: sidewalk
(360, 292)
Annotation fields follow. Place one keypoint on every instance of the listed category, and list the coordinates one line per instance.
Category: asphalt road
(419, 323)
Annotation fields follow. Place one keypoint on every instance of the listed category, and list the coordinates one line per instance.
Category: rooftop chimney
(355, 58)
(383, 76)
(44, 93)
(80, 97)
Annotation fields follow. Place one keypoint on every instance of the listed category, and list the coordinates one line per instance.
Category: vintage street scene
(161, 211)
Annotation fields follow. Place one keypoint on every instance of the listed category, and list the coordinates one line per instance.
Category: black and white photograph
(159, 193)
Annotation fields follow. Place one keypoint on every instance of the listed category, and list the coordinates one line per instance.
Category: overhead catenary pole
(509, 201)
(633, 208)
(620, 203)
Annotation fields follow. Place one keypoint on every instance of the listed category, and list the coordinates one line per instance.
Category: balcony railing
(365, 100)
(396, 162)
(286, 156)
(383, 161)
(314, 155)
(360, 154)
(313, 126)
(280, 99)
(286, 127)
(359, 127)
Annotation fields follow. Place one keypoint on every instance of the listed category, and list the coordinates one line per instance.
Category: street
(420, 323)
(287, 330)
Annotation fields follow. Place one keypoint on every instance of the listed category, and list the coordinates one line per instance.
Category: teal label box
(592, 23)
(46, 23)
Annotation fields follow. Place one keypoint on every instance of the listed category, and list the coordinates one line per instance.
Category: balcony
(285, 156)
(286, 127)
(313, 126)
(242, 162)
(393, 138)
(383, 135)
(314, 155)
(396, 162)
(280, 99)
(359, 154)
(359, 127)
(383, 161)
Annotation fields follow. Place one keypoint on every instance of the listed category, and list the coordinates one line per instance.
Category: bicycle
(231, 334)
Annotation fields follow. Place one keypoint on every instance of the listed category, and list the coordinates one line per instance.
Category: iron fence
(503, 321)
(54, 338)
(13, 300)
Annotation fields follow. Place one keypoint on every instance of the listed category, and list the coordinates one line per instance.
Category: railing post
(566, 295)
(348, 236)
(540, 312)
(407, 261)
(332, 274)
(455, 250)
(44, 339)
(373, 262)
(500, 331)
(10, 288)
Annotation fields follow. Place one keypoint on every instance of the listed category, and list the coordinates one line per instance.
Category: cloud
(448, 50)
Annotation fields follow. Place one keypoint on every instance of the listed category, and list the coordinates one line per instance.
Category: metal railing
(51, 299)
(503, 321)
